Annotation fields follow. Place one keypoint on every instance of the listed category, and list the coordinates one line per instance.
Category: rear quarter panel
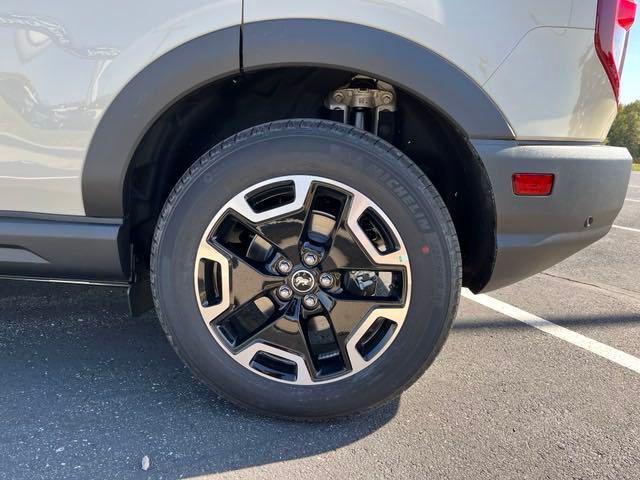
(535, 58)
(474, 35)
(61, 65)
(553, 87)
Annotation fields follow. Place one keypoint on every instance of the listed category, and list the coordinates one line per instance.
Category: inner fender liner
(380, 54)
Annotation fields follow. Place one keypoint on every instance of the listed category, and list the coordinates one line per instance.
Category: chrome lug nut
(284, 293)
(310, 259)
(326, 280)
(284, 266)
(310, 301)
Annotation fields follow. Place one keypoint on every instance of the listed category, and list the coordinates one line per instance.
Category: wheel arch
(380, 54)
(267, 46)
(271, 44)
(140, 103)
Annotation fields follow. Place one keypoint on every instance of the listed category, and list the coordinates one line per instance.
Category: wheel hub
(303, 281)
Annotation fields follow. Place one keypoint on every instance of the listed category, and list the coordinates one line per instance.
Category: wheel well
(216, 111)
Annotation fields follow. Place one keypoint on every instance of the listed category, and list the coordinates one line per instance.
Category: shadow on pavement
(86, 392)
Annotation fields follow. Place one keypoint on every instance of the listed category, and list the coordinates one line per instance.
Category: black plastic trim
(384, 55)
(269, 44)
(64, 248)
(534, 233)
(140, 103)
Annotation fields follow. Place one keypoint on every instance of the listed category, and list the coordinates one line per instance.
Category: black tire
(352, 157)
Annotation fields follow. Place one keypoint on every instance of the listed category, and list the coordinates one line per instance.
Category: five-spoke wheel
(302, 279)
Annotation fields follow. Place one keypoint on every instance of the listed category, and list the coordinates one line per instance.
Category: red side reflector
(532, 184)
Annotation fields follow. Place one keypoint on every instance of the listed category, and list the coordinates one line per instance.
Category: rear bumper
(534, 233)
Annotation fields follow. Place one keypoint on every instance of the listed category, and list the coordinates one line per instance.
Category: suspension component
(365, 103)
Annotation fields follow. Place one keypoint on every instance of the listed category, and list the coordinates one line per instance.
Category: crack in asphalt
(616, 292)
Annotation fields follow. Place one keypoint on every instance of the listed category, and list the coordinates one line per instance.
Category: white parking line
(593, 346)
(626, 228)
(631, 200)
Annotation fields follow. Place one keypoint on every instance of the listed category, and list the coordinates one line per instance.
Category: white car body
(534, 58)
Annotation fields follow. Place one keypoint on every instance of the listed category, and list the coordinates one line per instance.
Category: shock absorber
(365, 103)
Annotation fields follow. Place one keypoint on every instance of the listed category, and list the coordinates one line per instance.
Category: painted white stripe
(626, 228)
(593, 346)
(634, 186)
(631, 200)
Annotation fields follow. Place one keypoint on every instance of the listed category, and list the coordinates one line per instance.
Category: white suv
(300, 187)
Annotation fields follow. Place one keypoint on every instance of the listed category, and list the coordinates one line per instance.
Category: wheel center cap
(303, 281)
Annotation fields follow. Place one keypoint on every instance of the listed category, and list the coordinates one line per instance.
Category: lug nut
(284, 293)
(310, 259)
(326, 280)
(284, 266)
(310, 301)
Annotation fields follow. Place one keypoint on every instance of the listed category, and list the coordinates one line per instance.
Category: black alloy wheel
(317, 275)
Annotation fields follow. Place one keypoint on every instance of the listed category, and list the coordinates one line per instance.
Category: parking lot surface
(86, 391)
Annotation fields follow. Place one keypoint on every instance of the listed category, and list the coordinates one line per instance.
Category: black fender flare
(382, 55)
(271, 44)
(139, 104)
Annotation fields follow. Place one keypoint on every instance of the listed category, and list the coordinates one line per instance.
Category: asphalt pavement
(86, 391)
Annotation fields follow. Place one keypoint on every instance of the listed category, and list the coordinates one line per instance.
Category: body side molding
(63, 247)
